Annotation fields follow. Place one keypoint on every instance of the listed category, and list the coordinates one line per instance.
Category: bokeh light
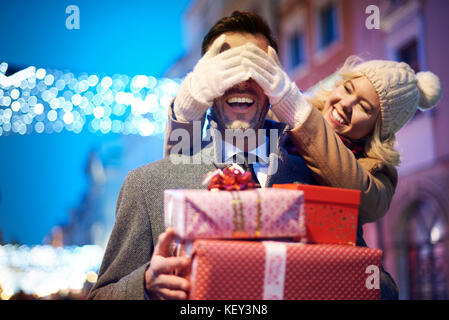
(50, 101)
(43, 270)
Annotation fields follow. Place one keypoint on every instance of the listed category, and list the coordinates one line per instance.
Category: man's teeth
(337, 117)
(240, 100)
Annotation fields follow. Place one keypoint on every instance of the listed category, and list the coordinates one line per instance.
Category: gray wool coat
(140, 210)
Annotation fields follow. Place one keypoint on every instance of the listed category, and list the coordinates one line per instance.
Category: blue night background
(42, 176)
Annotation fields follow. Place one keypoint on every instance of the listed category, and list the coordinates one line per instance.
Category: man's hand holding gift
(161, 279)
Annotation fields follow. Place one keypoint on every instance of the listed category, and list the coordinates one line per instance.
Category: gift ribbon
(239, 216)
(259, 214)
(275, 266)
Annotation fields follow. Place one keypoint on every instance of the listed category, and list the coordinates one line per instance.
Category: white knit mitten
(214, 73)
(266, 70)
(287, 102)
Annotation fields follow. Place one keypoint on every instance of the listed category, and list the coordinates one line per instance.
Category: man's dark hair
(245, 22)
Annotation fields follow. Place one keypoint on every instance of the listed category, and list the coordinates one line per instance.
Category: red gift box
(331, 213)
(269, 270)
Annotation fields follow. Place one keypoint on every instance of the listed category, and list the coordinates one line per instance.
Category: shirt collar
(229, 150)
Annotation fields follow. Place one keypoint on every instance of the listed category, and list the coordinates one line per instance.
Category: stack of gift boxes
(290, 242)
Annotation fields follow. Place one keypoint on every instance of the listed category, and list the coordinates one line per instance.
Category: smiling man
(137, 263)
(222, 83)
(245, 105)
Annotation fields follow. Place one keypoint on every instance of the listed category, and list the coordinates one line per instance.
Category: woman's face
(353, 108)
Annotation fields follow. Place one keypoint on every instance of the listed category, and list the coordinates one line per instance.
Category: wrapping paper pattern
(331, 213)
(256, 213)
(235, 270)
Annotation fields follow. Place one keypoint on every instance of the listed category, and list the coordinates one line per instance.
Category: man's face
(245, 105)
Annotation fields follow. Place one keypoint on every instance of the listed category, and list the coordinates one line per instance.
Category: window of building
(427, 251)
(396, 4)
(297, 50)
(409, 54)
(328, 25)
(293, 44)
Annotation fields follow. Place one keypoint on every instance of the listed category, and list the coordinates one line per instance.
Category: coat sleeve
(129, 249)
(334, 165)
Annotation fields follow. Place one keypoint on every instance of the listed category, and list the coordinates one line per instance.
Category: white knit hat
(400, 91)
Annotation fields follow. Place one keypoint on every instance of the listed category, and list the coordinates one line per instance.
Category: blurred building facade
(315, 37)
(91, 222)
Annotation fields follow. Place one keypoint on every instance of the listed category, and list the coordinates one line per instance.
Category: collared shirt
(260, 167)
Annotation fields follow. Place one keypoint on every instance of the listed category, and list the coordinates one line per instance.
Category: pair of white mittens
(218, 71)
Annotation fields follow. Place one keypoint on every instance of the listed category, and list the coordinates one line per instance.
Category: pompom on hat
(400, 91)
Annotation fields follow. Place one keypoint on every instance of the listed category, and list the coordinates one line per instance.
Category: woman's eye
(348, 90)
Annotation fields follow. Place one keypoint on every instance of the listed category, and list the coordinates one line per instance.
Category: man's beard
(238, 124)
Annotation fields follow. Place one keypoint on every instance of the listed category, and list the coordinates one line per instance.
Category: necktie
(246, 161)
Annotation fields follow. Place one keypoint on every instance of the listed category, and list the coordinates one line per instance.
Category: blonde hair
(375, 147)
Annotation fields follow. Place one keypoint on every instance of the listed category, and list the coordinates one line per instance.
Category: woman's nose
(348, 101)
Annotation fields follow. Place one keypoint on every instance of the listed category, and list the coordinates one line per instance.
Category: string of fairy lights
(44, 101)
(39, 100)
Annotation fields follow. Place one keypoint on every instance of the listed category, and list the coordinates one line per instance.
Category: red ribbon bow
(230, 178)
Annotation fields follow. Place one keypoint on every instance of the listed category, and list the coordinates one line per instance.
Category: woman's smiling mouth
(337, 118)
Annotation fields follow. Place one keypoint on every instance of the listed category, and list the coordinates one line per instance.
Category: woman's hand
(267, 71)
(217, 71)
(287, 102)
